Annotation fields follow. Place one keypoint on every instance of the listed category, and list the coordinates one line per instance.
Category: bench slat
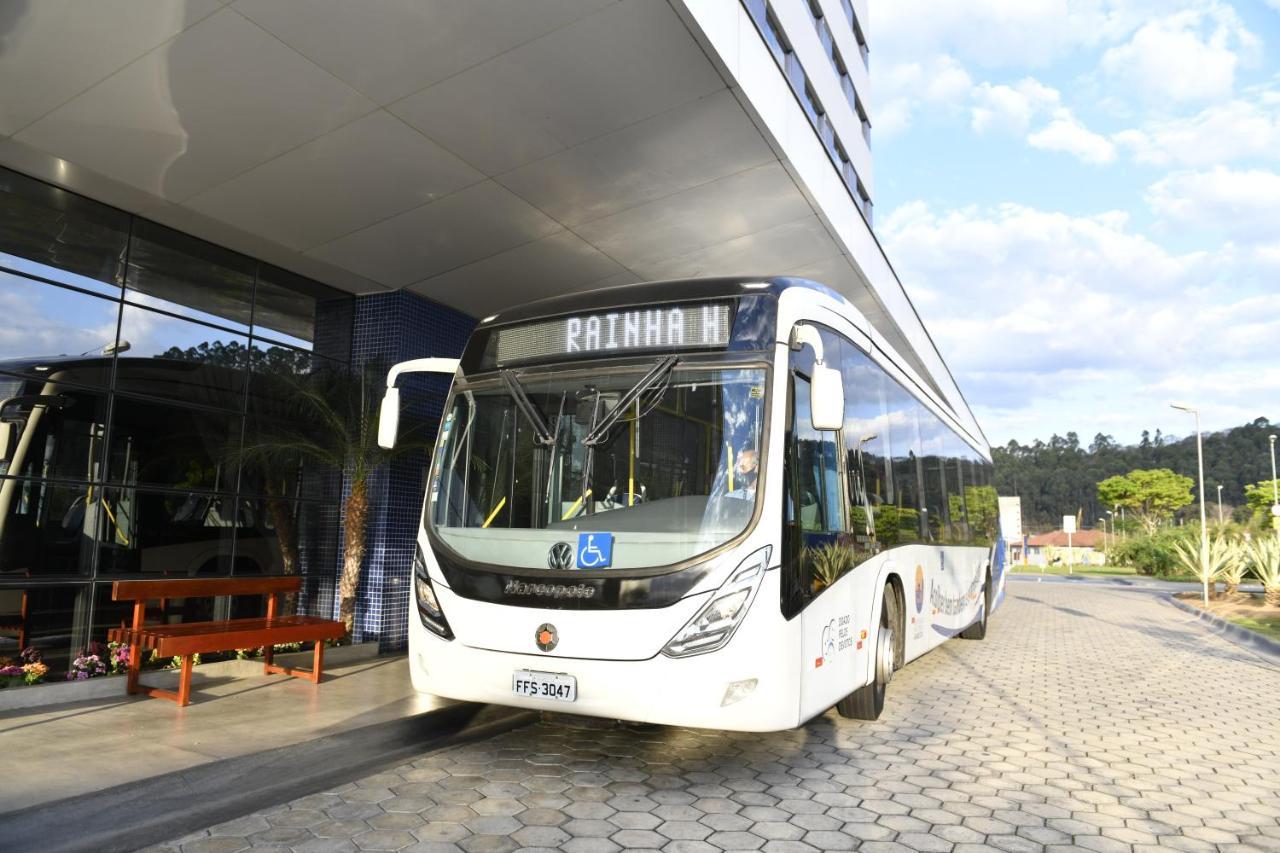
(204, 637)
(202, 587)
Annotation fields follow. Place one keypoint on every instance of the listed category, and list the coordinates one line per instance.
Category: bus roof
(656, 293)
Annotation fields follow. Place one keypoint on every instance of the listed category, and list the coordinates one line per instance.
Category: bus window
(958, 483)
(866, 441)
(670, 475)
(904, 439)
(51, 430)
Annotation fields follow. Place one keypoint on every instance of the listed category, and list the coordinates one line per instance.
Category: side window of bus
(933, 443)
(959, 485)
(980, 498)
(866, 441)
(904, 526)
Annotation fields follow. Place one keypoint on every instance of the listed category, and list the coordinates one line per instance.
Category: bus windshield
(661, 459)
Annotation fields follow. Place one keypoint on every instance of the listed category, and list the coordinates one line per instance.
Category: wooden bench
(191, 638)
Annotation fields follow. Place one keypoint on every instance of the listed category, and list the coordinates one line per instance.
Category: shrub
(1155, 554)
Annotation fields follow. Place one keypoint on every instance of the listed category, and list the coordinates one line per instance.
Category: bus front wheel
(867, 702)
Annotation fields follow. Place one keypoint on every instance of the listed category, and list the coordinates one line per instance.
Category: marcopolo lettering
(548, 590)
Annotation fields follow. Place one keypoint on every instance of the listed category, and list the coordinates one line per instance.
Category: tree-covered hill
(1060, 477)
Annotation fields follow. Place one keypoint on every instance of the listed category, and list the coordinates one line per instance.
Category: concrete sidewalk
(61, 751)
(116, 775)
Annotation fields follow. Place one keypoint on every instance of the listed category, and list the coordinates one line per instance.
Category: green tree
(334, 424)
(1052, 476)
(1258, 497)
(1153, 494)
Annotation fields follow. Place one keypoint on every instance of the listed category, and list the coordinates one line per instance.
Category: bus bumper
(711, 690)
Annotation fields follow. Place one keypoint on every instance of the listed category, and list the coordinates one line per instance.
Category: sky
(1083, 201)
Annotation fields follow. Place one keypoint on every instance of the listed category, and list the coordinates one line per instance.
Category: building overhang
(481, 154)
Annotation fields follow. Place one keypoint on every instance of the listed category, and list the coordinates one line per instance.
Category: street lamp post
(1112, 516)
(1275, 490)
(1104, 534)
(1219, 504)
(1204, 533)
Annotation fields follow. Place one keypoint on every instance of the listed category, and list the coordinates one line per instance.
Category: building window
(142, 361)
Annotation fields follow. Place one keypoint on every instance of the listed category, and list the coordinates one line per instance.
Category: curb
(1242, 636)
(150, 811)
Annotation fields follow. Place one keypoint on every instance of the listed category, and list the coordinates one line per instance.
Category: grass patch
(1094, 571)
(1267, 627)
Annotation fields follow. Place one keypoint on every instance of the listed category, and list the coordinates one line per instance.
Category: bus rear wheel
(866, 703)
(978, 630)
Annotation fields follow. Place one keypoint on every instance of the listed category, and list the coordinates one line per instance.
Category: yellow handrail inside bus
(631, 463)
(89, 502)
(569, 513)
(728, 451)
(497, 509)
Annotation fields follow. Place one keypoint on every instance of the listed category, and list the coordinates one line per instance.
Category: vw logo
(560, 556)
(546, 637)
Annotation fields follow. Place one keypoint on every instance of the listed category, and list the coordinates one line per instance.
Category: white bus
(718, 503)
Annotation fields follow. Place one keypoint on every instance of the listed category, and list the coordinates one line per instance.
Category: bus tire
(978, 630)
(867, 702)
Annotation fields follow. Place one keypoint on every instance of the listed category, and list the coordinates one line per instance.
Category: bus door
(818, 559)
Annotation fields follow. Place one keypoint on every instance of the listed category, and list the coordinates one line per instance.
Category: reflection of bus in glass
(155, 493)
(718, 503)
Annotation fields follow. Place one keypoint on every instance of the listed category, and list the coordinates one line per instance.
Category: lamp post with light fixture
(1111, 515)
(1275, 489)
(1204, 532)
(1219, 504)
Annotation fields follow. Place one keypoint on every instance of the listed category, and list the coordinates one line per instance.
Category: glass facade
(144, 393)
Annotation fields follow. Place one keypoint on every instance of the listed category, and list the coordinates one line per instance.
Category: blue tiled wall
(390, 328)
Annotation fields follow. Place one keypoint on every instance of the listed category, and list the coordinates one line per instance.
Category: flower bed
(69, 687)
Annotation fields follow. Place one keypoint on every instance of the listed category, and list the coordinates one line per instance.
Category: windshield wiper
(659, 372)
(542, 435)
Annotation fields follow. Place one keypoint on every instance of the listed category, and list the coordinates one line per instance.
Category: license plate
(544, 685)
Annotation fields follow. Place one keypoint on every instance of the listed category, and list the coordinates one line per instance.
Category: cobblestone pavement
(1089, 719)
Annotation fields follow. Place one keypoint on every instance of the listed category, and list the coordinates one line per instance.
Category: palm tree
(333, 423)
(1219, 555)
(1264, 555)
(1234, 569)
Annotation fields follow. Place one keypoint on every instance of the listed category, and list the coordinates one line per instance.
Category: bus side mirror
(826, 398)
(389, 418)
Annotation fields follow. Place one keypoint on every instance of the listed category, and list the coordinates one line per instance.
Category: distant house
(1086, 548)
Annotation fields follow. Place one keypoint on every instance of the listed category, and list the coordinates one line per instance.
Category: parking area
(1090, 718)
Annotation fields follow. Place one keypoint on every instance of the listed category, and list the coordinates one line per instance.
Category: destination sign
(694, 325)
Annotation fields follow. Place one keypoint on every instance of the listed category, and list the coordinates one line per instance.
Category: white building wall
(797, 23)
(727, 28)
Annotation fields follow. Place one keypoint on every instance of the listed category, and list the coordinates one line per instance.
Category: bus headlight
(429, 610)
(713, 626)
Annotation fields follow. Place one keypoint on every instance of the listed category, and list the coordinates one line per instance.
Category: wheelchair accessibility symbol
(595, 550)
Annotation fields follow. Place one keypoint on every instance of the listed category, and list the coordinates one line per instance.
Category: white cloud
(1188, 56)
(1224, 132)
(1000, 33)
(905, 87)
(1084, 323)
(1013, 107)
(1064, 133)
(1245, 203)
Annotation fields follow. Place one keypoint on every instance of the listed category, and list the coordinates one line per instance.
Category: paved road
(1090, 718)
